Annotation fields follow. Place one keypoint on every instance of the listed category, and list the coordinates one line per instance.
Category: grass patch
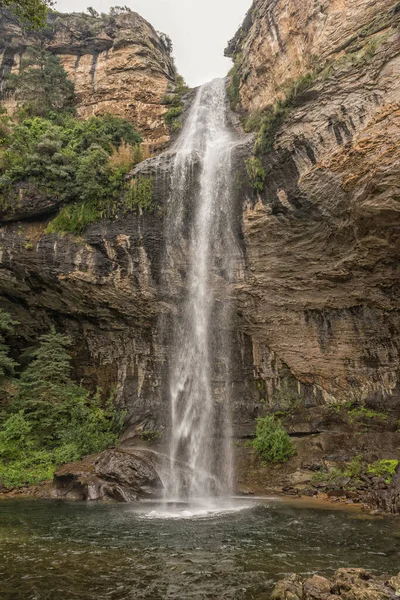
(75, 218)
(140, 194)
(176, 105)
(366, 413)
(256, 173)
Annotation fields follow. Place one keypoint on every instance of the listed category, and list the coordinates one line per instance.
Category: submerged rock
(349, 584)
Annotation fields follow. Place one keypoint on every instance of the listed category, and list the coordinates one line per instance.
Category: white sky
(199, 29)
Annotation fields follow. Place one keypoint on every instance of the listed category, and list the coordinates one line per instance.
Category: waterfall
(200, 233)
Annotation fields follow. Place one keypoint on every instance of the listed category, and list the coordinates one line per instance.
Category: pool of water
(61, 551)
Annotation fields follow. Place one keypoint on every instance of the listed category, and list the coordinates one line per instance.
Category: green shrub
(42, 87)
(31, 13)
(83, 164)
(151, 436)
(383, 468)
(175, 100)
(331, 476)
(7, 364)
(234, 83)
(272, 442)
(355, 468)
(172, 115)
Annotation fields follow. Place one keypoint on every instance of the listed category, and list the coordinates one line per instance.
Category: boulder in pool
(113, 475)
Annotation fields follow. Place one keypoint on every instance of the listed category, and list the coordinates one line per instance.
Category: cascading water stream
(200, 228)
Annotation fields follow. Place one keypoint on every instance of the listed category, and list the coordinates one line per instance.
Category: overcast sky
(199, 29)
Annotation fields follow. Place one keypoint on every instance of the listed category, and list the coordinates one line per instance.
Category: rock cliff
(118, 63)
(317, 320)
(318, 82)
(322, 236)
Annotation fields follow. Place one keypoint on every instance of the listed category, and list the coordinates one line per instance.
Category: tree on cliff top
(42, 86)
(31, 13)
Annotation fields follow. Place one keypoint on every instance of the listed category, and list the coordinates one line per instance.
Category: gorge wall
(118, 63)
(317, 316)
(320, 81)
(322, 237)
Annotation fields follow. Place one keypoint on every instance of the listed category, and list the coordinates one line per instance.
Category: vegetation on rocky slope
(176, 105)
(358, 53)
(81, 164)
(46, 419)
(356, 471)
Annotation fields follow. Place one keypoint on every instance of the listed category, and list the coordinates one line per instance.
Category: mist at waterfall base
(199, 231)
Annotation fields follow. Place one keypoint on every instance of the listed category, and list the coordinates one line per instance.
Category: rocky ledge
(115, 475)
(348, 584)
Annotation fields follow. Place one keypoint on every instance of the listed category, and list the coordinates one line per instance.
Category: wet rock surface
(348, 584)
(113, 475)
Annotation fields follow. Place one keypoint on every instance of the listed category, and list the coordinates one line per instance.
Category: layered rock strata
(322, 238)
(118, 63)
(317, 311)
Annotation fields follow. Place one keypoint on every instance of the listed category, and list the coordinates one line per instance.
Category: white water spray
(200, 354)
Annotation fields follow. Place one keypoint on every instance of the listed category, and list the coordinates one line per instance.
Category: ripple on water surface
(62, 551)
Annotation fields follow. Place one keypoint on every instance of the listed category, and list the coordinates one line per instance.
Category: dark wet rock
(348, 584)
(123, 474)
(385, 497)
(113, 475)
(25, 200)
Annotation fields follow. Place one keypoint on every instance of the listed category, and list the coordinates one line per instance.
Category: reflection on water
(62, 551)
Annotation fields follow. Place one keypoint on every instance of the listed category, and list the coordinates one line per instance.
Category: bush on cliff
(272, 442)
(81, 164)
(52, 420)
(77, 162)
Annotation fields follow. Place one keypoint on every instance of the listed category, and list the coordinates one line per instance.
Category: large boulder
(113, 475)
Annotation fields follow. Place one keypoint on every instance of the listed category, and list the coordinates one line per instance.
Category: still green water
(62, 551)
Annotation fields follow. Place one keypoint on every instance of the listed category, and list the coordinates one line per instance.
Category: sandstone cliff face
(119, 65)
(322, 240)
(283, 39)
(317, 311)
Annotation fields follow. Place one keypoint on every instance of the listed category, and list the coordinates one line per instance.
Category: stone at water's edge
(114, 475)
(387, 500)
(348, 584)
